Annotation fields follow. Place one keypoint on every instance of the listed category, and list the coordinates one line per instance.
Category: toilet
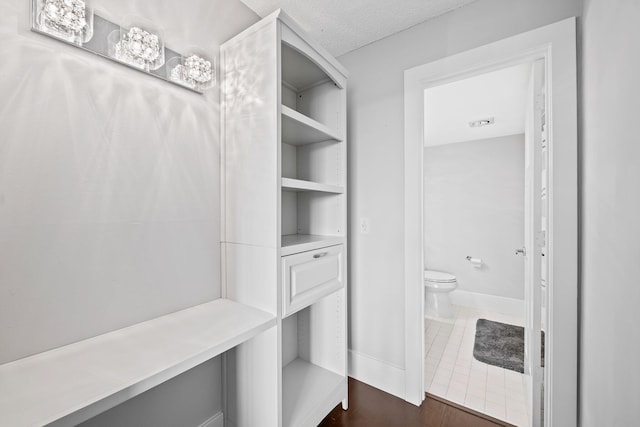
(437, 286)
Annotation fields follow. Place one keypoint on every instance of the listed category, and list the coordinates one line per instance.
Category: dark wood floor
(370, 407)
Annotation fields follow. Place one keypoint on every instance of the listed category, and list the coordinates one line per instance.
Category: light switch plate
(364, 226)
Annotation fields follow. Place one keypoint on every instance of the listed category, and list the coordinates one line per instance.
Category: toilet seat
(438, 277)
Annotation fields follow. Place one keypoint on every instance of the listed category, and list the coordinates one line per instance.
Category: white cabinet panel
(251, 139)
(309, 276)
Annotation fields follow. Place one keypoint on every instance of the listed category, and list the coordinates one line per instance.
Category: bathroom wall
(610, 206)
(109, 199)
(474, 205)
(376, 162)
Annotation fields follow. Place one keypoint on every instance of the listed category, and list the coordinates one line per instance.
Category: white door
(534, 238)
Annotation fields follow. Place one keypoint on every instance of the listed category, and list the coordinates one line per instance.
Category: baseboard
(496, 304)
(216, 421)
(376, 373)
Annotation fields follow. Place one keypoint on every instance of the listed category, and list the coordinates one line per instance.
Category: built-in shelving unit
(281, 325)
(70, 384)
(285, 218)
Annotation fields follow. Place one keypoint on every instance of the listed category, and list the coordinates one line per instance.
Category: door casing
(556, 45)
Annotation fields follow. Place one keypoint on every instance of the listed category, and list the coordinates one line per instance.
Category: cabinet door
(309, 276)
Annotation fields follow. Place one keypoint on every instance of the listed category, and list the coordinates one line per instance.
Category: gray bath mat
(499, 344)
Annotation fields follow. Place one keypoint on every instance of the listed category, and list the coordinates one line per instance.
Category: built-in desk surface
(73, 383)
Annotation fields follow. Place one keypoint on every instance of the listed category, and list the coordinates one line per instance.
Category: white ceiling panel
(501, 95)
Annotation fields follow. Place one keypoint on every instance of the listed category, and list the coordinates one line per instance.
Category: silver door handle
(320, 255)
(521, 251)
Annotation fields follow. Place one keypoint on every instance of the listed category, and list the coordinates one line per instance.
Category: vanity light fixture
(135, 42)
(137, 47)
(69, 20)
(193, 71)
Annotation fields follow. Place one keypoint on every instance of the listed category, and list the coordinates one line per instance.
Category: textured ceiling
(344, 25)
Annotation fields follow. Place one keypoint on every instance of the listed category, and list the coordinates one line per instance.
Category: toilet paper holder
(475, 262)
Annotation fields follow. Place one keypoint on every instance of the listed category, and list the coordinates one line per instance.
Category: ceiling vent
(480, 123)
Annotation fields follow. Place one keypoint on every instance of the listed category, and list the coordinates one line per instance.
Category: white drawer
(309, 276)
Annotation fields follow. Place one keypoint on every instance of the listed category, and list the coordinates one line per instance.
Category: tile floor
(453, 373)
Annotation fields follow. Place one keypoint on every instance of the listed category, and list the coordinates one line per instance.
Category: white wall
(109, 186)
(376, 123)
(474, 205)
(610, 271)
(186, 400)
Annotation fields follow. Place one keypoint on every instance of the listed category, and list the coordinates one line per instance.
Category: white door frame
(556, 44)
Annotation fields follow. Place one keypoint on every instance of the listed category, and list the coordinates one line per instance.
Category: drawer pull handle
(320, 255)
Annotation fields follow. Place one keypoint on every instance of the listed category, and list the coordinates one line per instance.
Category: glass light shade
(192, 71)
(69, 20)
(137, 47)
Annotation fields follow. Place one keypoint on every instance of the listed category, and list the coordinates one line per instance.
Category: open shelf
(298, 70)
(290, 184)
(70, 384)
(295, 243)
(309, 392)
(298, 129)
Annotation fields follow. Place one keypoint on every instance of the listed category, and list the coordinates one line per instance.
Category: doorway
(475, 158)
(554, 45)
